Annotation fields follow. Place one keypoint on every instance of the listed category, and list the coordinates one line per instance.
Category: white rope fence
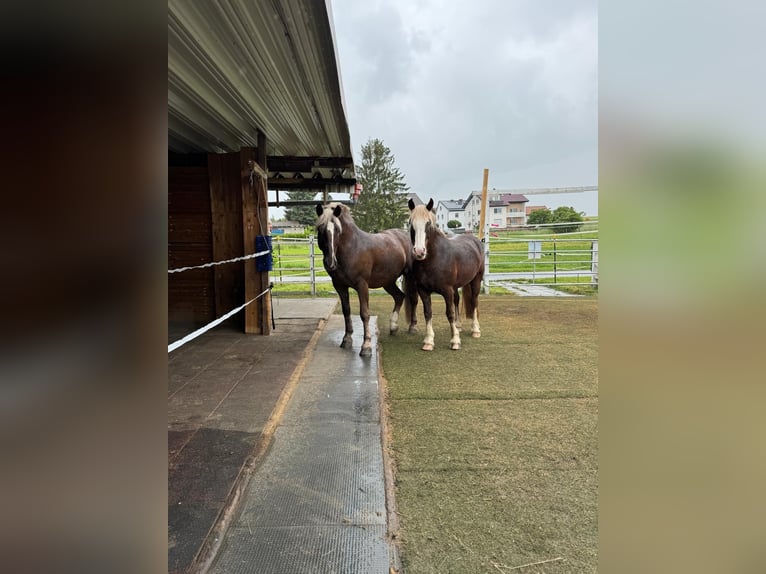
(173, 346)
(191, 336)
(260, 253)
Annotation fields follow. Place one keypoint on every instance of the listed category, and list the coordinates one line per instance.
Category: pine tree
(382, 203)
(305, 214)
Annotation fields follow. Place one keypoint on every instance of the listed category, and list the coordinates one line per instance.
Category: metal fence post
(486, 261)
(594, 262)
(312, 267)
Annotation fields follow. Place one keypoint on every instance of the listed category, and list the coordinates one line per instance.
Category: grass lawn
(495, 445)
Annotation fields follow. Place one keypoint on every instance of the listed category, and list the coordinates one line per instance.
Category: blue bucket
(263, 262)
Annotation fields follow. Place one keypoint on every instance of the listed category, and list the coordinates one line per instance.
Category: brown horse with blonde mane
(364, 261)
(442, 265)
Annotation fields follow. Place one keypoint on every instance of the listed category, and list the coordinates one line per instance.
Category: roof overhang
(243, 67)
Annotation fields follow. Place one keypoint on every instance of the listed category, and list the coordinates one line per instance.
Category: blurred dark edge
(83, 236)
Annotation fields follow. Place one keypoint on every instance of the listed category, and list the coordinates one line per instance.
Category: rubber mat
(317, 501)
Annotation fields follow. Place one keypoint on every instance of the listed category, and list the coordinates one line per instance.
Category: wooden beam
(319, 184)
(292, 164)
(251, 227)
(298, 202)
(263, 218)
(255, 219)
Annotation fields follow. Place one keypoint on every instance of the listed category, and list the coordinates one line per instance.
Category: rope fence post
(312, 266)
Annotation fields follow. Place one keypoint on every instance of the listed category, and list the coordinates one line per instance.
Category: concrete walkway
(224, 393)
(526, 290)
(317, 501)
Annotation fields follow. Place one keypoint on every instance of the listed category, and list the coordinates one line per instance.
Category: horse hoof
(428, 347)
(413, 330)
(455, 346)
(346, 344)
(476, 334)
(365, 352)
(393, 331)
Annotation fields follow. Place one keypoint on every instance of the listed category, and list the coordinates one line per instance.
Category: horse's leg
(474, 295)
(398, 296)
(457, 310)
(345, 305)
(449, 300)
(428, 342)
(364, 313)
(411, 301)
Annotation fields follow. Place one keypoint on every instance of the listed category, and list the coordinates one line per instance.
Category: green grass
(496, 444)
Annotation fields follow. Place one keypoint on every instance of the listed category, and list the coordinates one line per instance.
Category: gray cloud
(455, 87)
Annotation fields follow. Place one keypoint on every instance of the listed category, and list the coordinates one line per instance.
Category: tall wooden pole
(263, 217)
(484, 228)
(254, 223)
(251, 228)
(484, 205)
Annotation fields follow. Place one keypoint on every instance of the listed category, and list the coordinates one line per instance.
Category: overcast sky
(454, 87)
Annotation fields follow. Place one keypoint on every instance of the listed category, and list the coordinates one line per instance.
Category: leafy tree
(540, 216)
(453, 223)
(305, 214)
(567, 215)
(382, 202)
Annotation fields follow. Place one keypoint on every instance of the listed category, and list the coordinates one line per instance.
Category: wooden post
(484, 205)
(254, 223)
(484, 228)
(263, 218)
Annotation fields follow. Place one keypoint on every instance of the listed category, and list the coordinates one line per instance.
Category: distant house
(505, 210)
(449, 210)
(514, 213)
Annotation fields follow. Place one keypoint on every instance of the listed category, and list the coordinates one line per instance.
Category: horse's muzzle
(419, 254)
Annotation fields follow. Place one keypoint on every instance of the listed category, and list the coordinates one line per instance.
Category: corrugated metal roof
(452, 205)
(239, 66)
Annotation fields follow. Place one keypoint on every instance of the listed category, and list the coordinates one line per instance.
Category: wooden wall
(227, 239)
(215, 213)
(191, 296)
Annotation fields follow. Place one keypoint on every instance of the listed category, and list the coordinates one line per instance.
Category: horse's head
(422, 220)
(329, 229)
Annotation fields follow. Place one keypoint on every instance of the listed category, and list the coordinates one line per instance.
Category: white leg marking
(394, 324)
(455, 341)
(475, 330)
(428, 342)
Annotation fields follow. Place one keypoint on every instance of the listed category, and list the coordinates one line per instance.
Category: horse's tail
(471, 292)
(468, 301)
(410, 296)
(472, 289)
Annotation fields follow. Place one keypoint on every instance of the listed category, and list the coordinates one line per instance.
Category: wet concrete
(317, 501)
(222, 391)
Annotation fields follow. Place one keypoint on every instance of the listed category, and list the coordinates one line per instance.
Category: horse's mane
(328, 215)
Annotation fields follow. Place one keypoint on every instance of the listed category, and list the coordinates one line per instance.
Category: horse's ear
(430, 205)
(320, 209)
(337, 211)
(411, 204)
